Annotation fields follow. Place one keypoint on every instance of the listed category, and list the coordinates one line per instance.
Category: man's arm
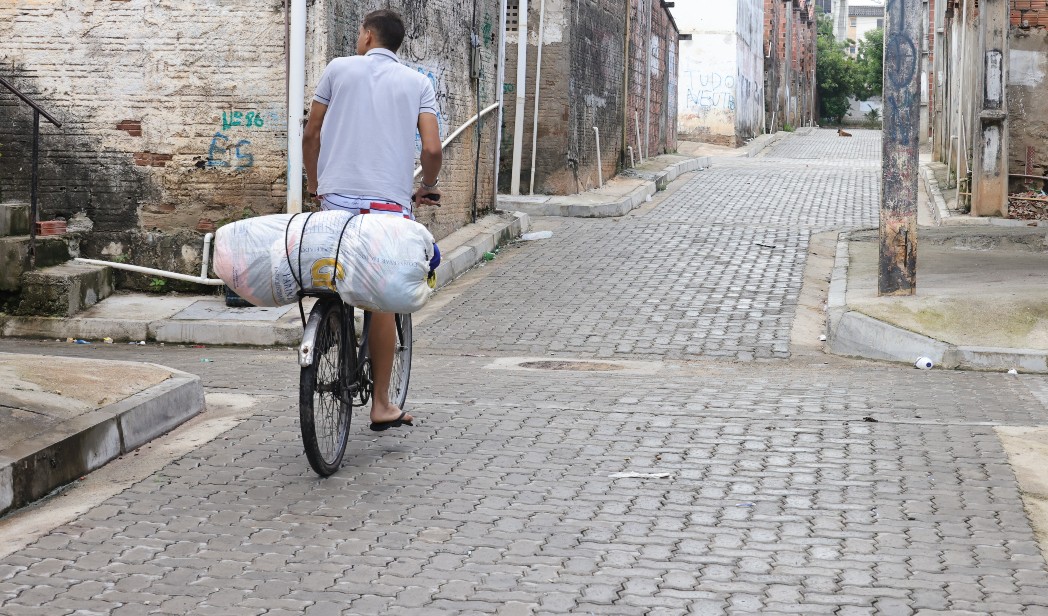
(311, 144)
(432, 158)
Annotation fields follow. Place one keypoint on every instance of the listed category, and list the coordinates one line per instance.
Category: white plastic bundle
(381, 265)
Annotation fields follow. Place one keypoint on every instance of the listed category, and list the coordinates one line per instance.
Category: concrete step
(14, 218)
(14, 257)
(64, 290)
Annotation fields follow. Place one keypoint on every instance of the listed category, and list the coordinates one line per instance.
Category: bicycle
(336, 373)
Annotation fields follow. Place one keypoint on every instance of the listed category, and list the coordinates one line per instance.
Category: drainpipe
(295, 91)
(600, 165)
(538, 76)
(647, 99)
(626, 86)
(522, 76)
(501, 96)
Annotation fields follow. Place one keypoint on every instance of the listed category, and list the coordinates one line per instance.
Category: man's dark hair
(387, 26)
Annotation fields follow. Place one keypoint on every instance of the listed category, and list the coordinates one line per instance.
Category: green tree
(871, 65)
(836, 73)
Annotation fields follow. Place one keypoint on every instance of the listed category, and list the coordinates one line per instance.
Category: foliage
(873, 118)
(788, 128)
(870, 64)
(157, 285)
(835, 72)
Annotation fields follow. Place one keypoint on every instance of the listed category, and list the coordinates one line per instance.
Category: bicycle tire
(324, 406)
(400, 377)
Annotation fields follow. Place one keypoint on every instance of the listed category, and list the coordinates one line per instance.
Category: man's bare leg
(382, 340)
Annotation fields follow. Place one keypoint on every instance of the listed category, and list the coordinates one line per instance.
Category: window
(880, 24)
(512, 15)
(854, 21)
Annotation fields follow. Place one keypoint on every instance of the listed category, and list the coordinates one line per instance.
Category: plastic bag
(381, 264)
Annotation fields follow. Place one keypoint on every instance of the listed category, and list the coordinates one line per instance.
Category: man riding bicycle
(359, 150)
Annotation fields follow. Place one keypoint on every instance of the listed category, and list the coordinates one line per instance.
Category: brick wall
(659, 134)
(1027, 105)
(582, 86)
(174, 112)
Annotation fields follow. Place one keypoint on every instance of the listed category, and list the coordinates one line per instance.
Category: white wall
(721, 89)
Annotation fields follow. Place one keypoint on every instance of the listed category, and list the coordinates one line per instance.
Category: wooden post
(902, 118)
(990, 167)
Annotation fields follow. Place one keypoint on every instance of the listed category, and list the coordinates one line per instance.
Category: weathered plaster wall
(1027, 104)
(582, 87)
(660, 54)
(553, 175)
(708, 71)
(722, 71)
(174, 112)
(749, 86)
(595, 89)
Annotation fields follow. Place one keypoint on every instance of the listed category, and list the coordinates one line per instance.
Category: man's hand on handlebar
(427, 196)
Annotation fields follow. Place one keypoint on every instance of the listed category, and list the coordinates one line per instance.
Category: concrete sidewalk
(63, 417)
(982, 300)
(205, 319)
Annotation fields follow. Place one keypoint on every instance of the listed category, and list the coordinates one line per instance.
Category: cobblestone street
(709, 469)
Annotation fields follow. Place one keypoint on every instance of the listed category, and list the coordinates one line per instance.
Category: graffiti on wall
(225, 153)
(443, 95)
(246, 119)
(708, 91)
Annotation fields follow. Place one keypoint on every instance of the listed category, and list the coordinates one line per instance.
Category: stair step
(64, 290)
(14, 257)
(14, 219)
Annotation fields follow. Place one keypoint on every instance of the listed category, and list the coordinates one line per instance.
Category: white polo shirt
(367, 140)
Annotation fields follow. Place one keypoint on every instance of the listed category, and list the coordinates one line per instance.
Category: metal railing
(34, 215)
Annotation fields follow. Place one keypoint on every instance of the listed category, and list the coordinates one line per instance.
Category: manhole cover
(588, 366)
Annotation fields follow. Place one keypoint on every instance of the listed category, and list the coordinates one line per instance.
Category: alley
(704, 466)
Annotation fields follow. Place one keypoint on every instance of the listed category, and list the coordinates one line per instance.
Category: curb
(38, 465)
(944, 217)
(546, 205)
(285, 332)
(853, 334)
(465, 257)
(762, 142)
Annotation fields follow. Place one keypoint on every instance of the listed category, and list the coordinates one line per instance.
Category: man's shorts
(364, 205)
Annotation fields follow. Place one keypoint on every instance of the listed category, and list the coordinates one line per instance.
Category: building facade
(722, 86)
(790, 39)
(605, 64)
(988, 112)
(175, 114)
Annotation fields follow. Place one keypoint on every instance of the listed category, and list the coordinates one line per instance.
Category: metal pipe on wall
(626, 84)
(600, 166)
(501, 96)
(647, 99)
(522, 76)
(538, 76)
(295, 97)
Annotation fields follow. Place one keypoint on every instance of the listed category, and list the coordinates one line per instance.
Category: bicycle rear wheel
(401, 376)
(324, 404)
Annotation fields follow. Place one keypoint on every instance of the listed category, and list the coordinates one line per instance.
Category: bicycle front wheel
(398, 381)
(324, 404)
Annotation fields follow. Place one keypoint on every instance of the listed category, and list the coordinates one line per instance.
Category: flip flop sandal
(379, 426)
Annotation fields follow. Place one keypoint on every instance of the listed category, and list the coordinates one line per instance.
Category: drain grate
(586, 366)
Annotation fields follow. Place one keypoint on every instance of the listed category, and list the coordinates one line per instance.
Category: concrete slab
(982, 301)
(64, 417)
(215, 309)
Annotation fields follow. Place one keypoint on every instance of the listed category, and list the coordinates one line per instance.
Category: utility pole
(990, 168)
(897, 273)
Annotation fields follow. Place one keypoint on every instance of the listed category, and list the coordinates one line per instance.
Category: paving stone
(780, 499)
